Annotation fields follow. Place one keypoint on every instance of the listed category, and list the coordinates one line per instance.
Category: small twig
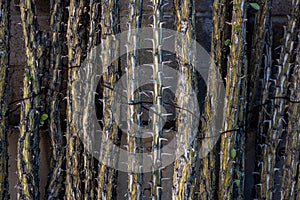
(20, 100)
(286, 98)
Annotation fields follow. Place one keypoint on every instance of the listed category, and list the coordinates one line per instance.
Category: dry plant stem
(220, 11)
(133, 111)
(28, 143)
(88, 108)
(233, 111)
(278, 123)
(157, 128)
(4, 95)
(186, 152)
(73, 151)
(264, 118)
(55, 182)
(262, 19)
(259, 62)
(209, 172)
(239, 172)
(289, 178)
(110, 23)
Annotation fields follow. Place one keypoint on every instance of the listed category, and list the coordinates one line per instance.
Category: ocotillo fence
(257, 82)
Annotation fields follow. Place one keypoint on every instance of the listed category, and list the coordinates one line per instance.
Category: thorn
(149, 65)
(166, 62)
(166, 154)
(152, 7)
(143, 92)
(166, 87)
(163, 139)
(167, 114)
(166, 38)
(276, 169)
(165, 4)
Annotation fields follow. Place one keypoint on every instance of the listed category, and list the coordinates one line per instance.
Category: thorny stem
(55, 182)
(110, 50)
(259, 62)
(133, 112)
(28, 143)
(186, 153)
(4, 95)
(265, 99)
(157, 128)
(221, 10)
(234, 111)
(289, 181)
(258, 45)
(278, 111)
(209, 173)
(74, 147)
(88, 94)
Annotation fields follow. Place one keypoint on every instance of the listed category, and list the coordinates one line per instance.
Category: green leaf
(232, 153)
(44, 117)
(236, 28)
(255, 6)
(28, 76)
(227, 42)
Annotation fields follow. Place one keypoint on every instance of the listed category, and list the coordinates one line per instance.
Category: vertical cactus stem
(157, 127)
(56, 66)
(133, 119)
(28, 143)
(278, 124)
(73, 151)
(263, 116)
(257, 52)
(55, 181)
(230, 146)
(222, 33)
(110, 49)
(184, 169)
(90, 74)
(261, 61)
(256, 66)
(209, 171)
(239, 172)
(4, 91)
(292, 147)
